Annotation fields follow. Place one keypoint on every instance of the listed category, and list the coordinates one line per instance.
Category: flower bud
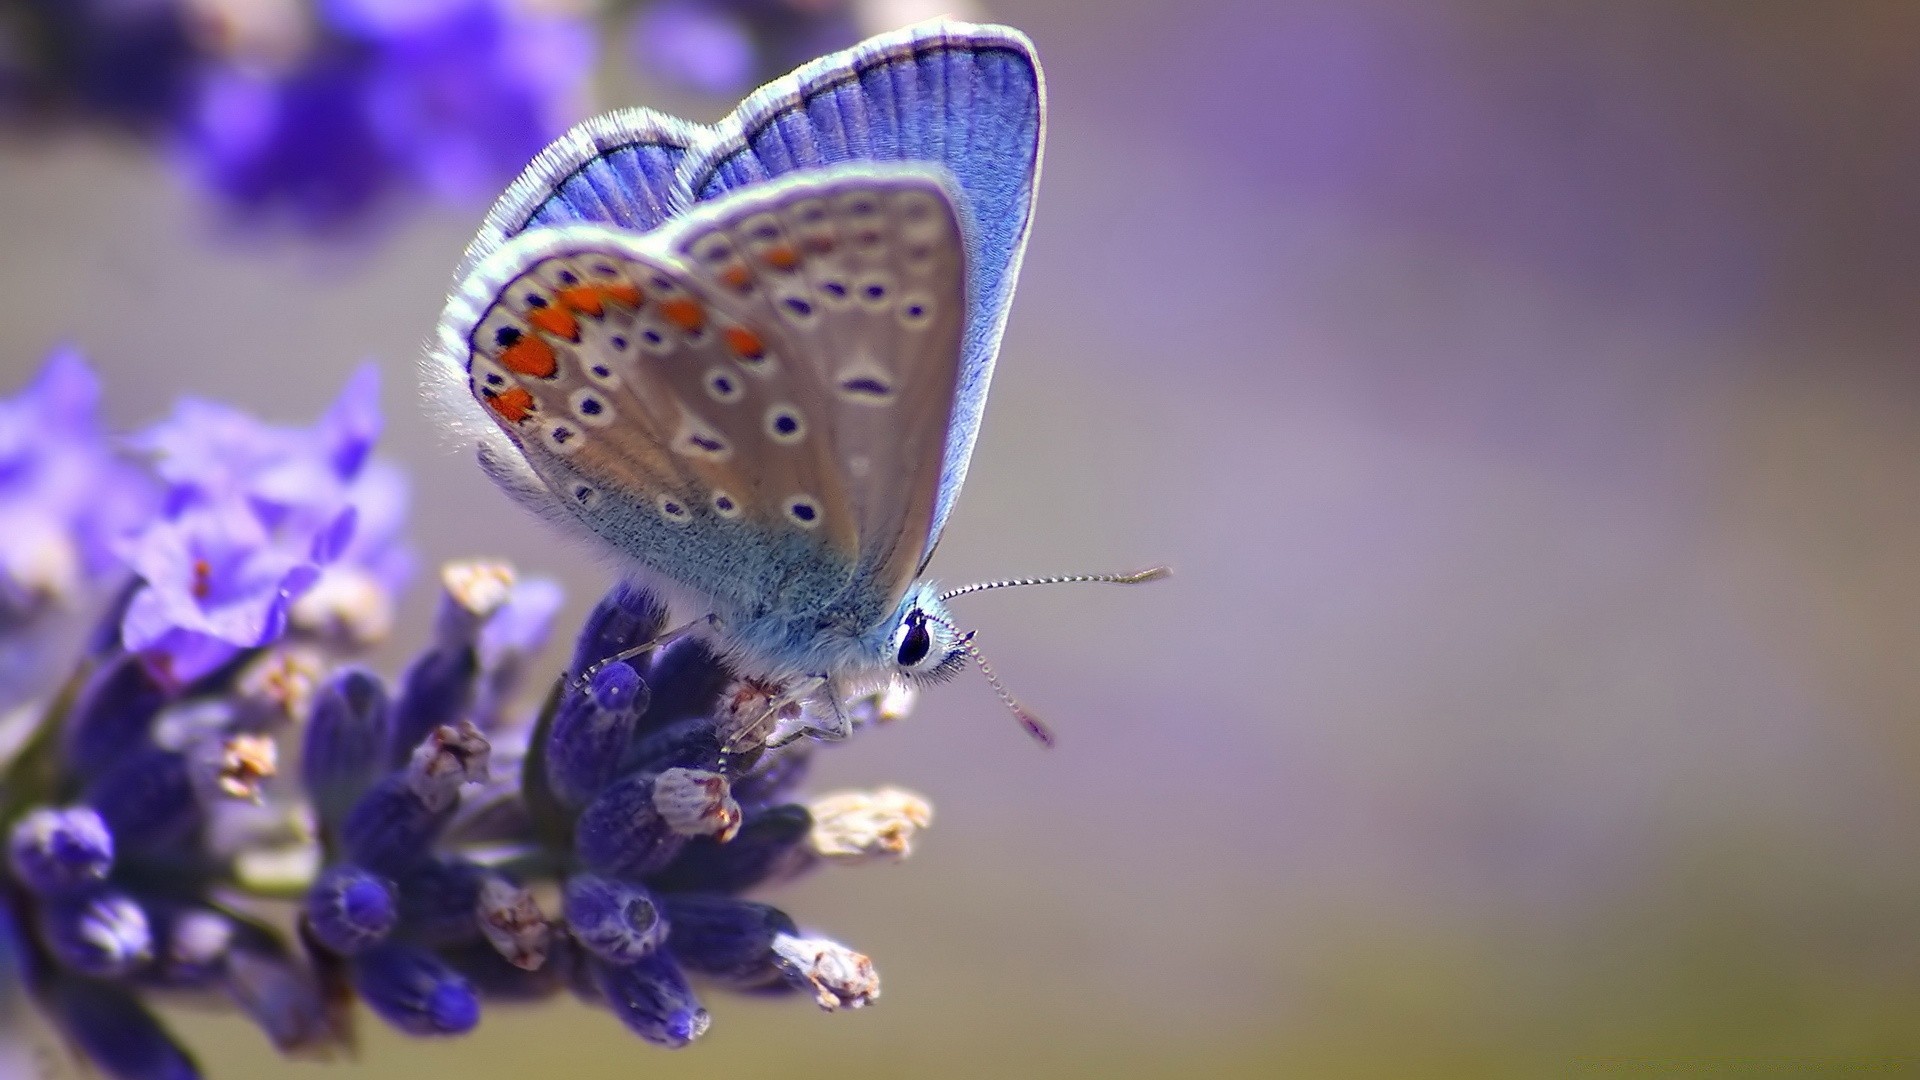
(653, 999)
(771, 846)
(105, 935)
(616, 921)
(626, 617)
(590, 731)
(58, 852)
(346, 742)
(415, 991)
(349, 909)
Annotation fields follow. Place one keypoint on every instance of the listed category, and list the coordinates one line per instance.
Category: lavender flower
(215, 584)
(68, 499)
(427, 820)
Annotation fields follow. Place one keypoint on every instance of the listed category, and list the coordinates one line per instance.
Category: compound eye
(916, 643)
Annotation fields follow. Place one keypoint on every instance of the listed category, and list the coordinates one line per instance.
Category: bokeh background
(1527, 398)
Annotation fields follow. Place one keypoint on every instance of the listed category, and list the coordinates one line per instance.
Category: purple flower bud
(693, 743)
(627, 617)
(436, 690)
(725, 938)
(346, 742)
(391, 828)
(652, 998)
(350, 909)
(771, 846)
(590, 734)
(618, 922)
(439, 899)
(113, 715)
(106, 934)
(116, 1032)
(687, 678)
(148, 801)
(57, 852)
(641, 822)
(415, 991)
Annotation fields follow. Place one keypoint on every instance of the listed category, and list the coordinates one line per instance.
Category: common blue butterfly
(752, 357)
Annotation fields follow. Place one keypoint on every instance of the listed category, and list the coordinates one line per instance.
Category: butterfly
(752, 358)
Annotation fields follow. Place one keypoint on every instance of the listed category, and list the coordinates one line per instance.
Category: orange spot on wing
(529, 356)
(745, 342)
(513, 406)
(556, 322)
(683, 313)
(782, 257)
(584, 299)
(736, 276)
(624, 293)
(819, 245)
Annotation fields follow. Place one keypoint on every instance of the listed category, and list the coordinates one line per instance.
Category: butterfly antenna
(1041, 733)
(1139, 577)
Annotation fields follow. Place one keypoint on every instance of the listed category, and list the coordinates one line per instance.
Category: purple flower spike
(618, 922)
(105, 935)
(117, 1033)
(216, 584)
(590, 734)
(350, 909)
(346, 742)
(415, 991)
(59, 852)
(653, 999)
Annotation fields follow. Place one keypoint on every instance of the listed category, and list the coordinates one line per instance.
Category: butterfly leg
(838, 724)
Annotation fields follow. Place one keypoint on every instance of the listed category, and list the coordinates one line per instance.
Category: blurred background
(1528, 397)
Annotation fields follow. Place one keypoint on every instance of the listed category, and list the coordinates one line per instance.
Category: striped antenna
(1154, 573)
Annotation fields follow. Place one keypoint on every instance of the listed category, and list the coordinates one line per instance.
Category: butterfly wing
(862, 270)
(681, 402)
(618, 169)
(967, 97)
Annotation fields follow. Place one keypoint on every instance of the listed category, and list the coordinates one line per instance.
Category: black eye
(917, 644)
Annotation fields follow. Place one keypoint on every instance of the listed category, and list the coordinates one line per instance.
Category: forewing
(861, 269)
(628, 388)
(966, 97)
(617, 169)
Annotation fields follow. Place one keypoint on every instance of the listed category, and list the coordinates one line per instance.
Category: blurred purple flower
(67, 499)
(695, 43)
(452, 97)
(300, 145)
(465, 98)
(215, 583)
